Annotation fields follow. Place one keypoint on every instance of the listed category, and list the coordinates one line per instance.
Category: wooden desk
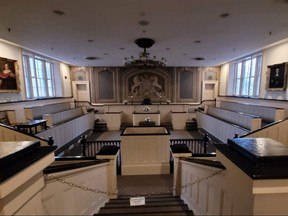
(31, 124)
(147, 123)
(140, 116)
(145, 151)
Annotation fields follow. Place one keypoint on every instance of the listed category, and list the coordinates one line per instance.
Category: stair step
(147, 199)
(147, 203)
(175, 213)
(144, 209)
(162, 195)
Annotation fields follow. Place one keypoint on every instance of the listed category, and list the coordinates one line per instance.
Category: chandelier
(144, 59)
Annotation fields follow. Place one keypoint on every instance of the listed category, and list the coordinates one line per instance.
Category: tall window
(247, 76)
(39, 77)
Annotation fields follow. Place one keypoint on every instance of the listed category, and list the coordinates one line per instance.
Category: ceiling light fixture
(144, 60)
(91, 58)
(59, 12)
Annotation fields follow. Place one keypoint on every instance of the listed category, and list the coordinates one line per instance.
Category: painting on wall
(277, 77)
(9, 77)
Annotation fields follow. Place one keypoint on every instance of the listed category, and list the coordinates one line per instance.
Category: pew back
(268, 114)
(8, 117)
(251, 122)
(64, 133)
(37, 112)
(219, 129)
(62, 116)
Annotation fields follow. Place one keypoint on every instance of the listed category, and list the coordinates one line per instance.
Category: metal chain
(71, 184)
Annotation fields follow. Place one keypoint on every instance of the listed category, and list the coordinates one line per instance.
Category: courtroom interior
(129, 107)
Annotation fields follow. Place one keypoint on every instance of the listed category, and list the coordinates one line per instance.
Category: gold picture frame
(277, 77)
(9, 75)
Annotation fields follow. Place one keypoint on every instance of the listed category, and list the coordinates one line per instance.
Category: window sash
(39, 77)
(247, 76)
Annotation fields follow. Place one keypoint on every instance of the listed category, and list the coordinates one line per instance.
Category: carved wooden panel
(146, 84)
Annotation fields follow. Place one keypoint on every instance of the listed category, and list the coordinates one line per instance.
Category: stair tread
(174, 213)
(167, 195)
(144, 209)
(147, 203)
(127, 200)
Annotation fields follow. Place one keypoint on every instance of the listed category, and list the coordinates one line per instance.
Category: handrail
(14, 130)
(91, 148)
(265, 131)
(194, 145)
(211, 163)
(193, 104)
(264, 127)
(69, 163)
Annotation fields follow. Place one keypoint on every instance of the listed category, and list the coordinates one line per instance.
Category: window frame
(32, 78)
(242, 86)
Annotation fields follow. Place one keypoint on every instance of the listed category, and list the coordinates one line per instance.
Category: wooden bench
(37, 112)
(251, 122)
(220, 129)
(63, 133)
(268, 114)
(63, 116)
(8, 117)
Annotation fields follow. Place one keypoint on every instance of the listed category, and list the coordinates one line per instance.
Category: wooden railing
(197, 146)
(277, 131)
(91, 148)
(63, 199)
(8, 133)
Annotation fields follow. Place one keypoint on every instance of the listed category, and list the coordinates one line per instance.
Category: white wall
(224, 74)
(276, 54)
(66, 80)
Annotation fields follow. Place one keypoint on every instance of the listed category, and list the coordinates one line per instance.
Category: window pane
(251, 87)
(245, 86)
(239, 68)
(48, 71)
(247, 76)
(38, 75)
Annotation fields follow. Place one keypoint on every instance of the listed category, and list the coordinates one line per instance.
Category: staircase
(191, 125)
(162, 204)
(100, 126)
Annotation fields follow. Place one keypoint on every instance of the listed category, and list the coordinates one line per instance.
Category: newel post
(206, 139)
(83, 142)
(50, 140)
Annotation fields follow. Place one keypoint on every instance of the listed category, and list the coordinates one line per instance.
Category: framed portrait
(277, 77)
(9, 75)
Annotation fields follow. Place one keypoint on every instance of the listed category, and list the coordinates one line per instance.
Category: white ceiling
(113, 25)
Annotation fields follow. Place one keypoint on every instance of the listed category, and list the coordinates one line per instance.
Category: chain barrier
(71, 184)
